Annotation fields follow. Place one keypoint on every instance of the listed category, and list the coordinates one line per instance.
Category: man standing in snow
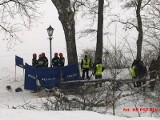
(55, 60)
(61, 60)
(85, 66)
(140, 72)
(153, 74)
(40, 61)
(134, 64)
(34, 60)
(98, 69)
(45, 59)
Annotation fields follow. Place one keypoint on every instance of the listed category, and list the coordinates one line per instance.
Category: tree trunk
(66, 16)
(140, 30)
(99, 45)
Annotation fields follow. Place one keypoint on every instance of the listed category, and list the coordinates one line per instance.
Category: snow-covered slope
(9, 100)
(60, 115)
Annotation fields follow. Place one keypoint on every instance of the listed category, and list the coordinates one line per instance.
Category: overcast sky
(36, 40)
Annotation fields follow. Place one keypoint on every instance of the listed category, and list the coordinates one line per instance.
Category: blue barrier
(49, 77)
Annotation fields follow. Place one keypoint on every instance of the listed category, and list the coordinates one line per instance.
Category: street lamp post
(50, 33)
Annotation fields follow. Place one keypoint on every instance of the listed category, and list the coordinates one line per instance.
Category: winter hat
(60, 54)
(40, 55)
(55, 54)
(34, 55)
(43, 54)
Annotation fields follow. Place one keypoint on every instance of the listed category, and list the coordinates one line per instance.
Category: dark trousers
(85, 71)
(134, 83)
(138, 83)
(98, 77)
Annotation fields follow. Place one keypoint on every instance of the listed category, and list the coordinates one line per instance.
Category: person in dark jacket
(55, 60)
(140, 72)
(45, 59)
(153, 73)
(40, 61)
(34, 60)
(61, 60)
(85, 66)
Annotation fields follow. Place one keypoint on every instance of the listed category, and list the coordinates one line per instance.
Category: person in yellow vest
(98, 69)
(133, 74)
(85, 66)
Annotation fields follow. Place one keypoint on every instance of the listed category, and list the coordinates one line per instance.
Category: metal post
(15, 74)
(50, 51)
(50, 33)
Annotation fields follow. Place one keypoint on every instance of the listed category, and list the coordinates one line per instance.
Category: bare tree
(138, 7)
(151, 26)
(135, 22)
(139, 28)
(94, 12)
(66, 16)
(16, 15)
(99, 45)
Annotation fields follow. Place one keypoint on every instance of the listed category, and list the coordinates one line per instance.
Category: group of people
(139, 71)
(42, 61)
(58, 61)
(97, 68)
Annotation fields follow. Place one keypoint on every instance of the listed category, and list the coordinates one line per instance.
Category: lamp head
(50, 31)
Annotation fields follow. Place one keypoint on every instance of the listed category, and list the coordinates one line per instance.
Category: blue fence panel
(71, 72)
(30, 78)
(49, 77)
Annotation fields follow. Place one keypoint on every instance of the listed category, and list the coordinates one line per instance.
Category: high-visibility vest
(98, 69)
(86, 63)
(133, 71)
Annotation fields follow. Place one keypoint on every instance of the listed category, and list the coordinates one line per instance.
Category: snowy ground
(12, 99)
(59, 115)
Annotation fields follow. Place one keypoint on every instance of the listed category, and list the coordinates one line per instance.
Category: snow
(12, 114)
(11, 103)
(57, 115)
